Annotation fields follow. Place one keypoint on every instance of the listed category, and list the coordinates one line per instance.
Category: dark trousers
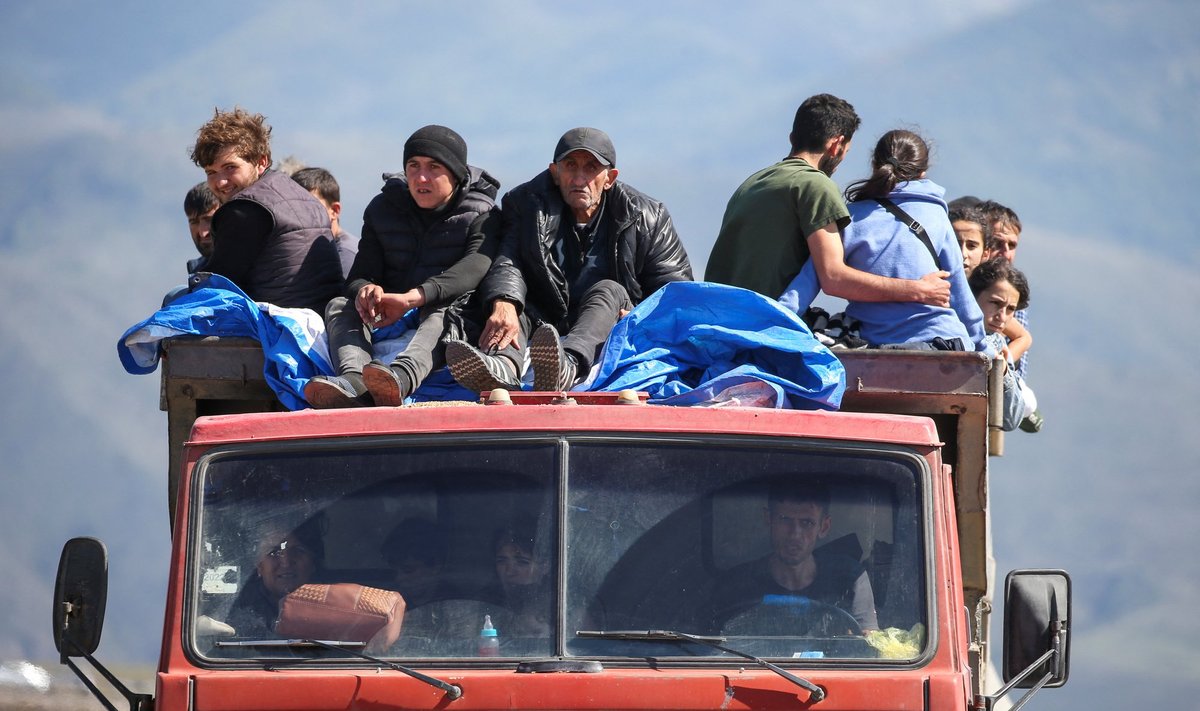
(591, 319)
(350, 341)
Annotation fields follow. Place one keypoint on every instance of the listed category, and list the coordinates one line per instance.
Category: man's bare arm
(837, 279)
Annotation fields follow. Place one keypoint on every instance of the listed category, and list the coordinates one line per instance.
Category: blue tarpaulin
(697, 342)
(293, 340)
(688, 344)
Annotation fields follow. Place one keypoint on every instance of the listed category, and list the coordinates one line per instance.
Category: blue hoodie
(877, 242)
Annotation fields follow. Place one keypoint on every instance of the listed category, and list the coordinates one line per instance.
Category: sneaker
(1033, 423)
(553, 368)
(387, 386)
(330, 391)
(478, 371)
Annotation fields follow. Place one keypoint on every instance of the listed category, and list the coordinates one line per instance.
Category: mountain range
(1080, 115)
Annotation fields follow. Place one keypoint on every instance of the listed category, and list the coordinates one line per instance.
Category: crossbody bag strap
(915, 227)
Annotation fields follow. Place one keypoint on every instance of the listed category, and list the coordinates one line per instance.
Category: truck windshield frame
(546, 534)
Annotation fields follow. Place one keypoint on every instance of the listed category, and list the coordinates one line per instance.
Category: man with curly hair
(271, 237)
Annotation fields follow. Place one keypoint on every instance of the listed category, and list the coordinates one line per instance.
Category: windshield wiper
(452, 692)
(815, 692)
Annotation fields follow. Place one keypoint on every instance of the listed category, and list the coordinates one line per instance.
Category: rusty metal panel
(897, 371)
(953, 389)
(208, 376)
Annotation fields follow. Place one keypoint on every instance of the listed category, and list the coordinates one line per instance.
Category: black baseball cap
(592, 140)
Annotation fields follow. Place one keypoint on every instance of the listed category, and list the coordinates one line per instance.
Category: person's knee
(608, 292)
(335, 307)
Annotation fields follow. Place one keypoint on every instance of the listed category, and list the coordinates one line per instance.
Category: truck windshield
(449, 550)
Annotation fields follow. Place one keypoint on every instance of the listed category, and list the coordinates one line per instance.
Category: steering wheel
(802, 617)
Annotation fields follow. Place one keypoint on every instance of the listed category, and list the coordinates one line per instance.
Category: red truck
(580, 551)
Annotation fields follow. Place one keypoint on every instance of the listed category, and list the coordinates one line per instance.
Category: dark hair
(798, 490)
(320, 180)
(964, 201)
(899, 156)
(521, 532)
(199, 200)
(998, 214)
(975, 216)
(247, 132)
(415, 538)
(821, 118)
(998, 269)
(309, 534)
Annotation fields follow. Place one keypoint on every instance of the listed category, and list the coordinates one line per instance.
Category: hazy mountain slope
(1081, 115)
(1108, 489)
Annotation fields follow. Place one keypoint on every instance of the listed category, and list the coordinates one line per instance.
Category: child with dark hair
(416, 550)
(974, 232)
(1001, 290)
(987, 229)
(522, 584)
(1003, 242)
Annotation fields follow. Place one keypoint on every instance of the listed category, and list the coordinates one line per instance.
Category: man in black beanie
(579, 249)
(428, 238)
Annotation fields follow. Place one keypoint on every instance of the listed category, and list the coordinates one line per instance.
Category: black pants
(350, 341)
(590, 320)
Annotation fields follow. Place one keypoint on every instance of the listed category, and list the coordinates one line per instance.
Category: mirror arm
(136, 701)
(1055, 652)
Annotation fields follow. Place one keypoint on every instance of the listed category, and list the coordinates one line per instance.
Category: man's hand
(379, 309)
(502, 327)
(367, 303)
(933, 289)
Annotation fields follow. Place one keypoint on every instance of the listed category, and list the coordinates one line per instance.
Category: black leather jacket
(644, 249)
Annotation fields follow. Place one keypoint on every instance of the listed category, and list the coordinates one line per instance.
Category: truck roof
(572, 416)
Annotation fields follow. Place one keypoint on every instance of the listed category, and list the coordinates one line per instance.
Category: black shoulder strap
(914, 226)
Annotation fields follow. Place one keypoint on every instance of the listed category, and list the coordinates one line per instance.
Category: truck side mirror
(1037, 625)
(80, 594)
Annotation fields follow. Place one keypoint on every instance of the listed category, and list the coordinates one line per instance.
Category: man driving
(796, 570)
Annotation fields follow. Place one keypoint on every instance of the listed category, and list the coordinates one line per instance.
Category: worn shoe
(387, 386)
(330, 391)
(553, 368)
(478, 371)
(1033, 423)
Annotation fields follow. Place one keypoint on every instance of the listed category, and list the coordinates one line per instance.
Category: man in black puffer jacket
(428, 238)
(579, 249)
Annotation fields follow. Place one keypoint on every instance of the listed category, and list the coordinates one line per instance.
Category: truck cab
(590, 551)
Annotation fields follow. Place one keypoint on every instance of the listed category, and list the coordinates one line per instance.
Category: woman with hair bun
(888, 211)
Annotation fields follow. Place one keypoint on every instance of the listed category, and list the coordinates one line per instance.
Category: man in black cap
(579, 249)
(428, 238)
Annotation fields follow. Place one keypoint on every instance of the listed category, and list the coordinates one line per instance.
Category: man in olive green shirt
(792, 211)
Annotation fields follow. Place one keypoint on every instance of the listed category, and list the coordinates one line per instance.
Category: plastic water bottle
(489, 639)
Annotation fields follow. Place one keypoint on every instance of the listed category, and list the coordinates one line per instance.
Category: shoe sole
(382, 385)
(470, 370)
(327, 396)
(545, 355)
